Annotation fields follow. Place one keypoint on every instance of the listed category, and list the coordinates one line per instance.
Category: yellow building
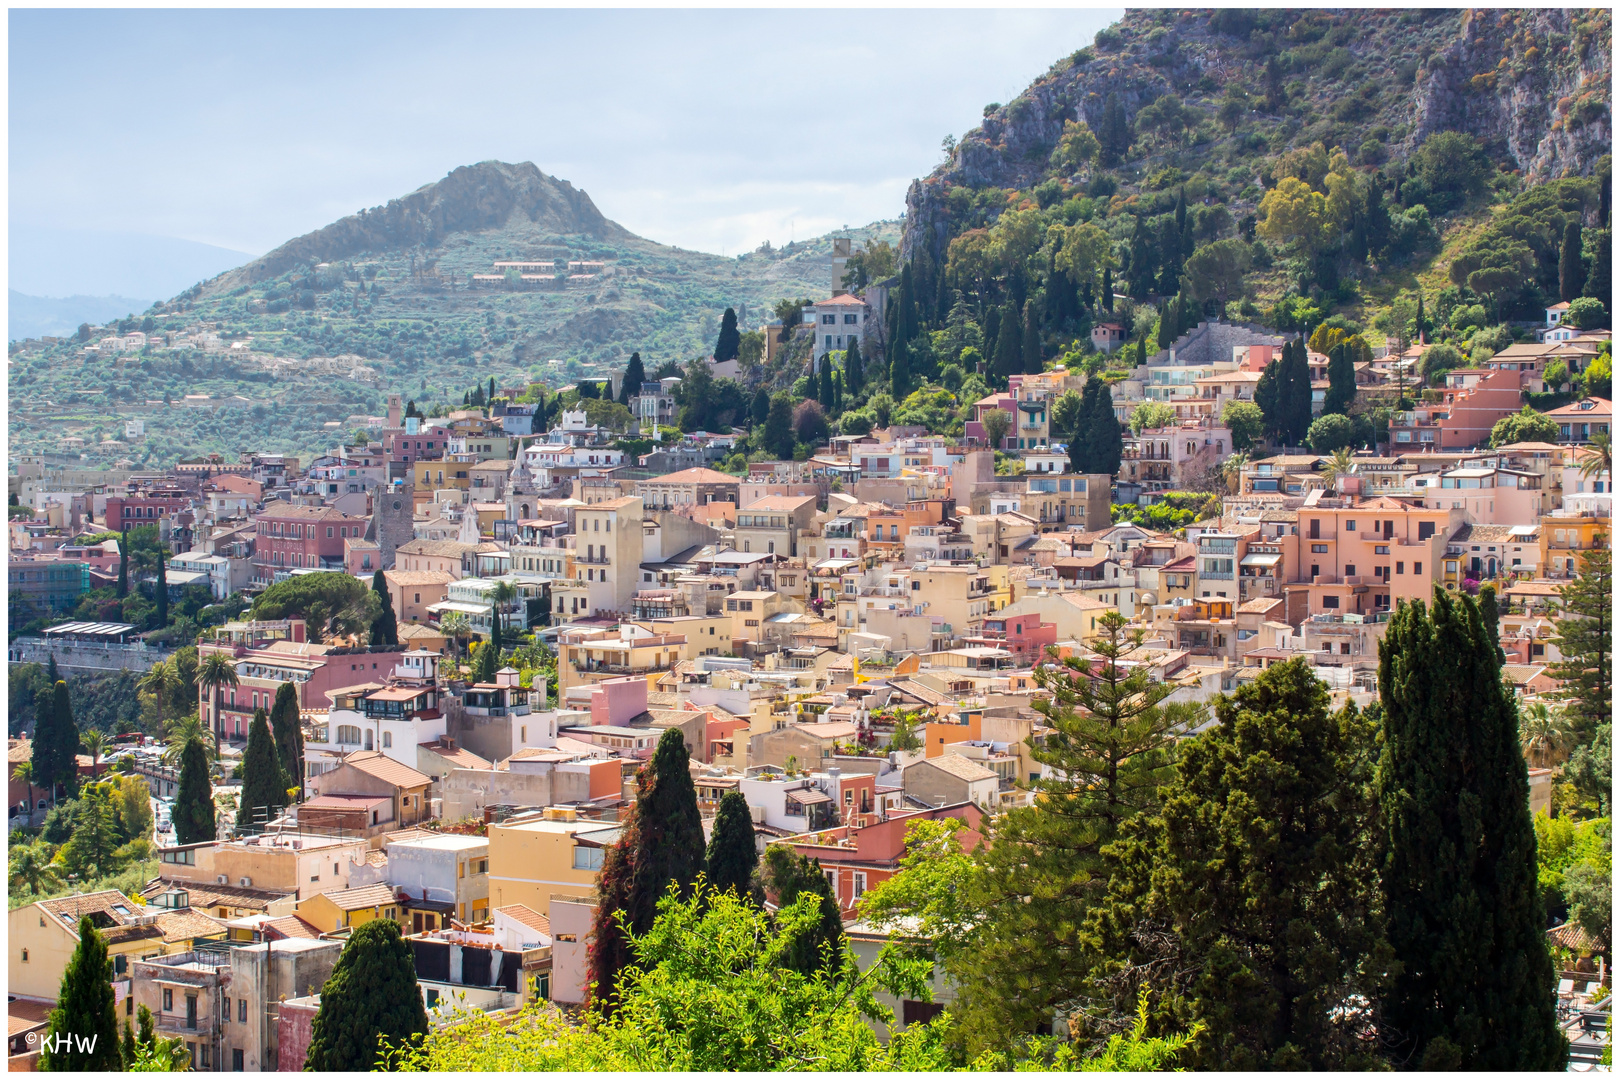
(533, 856)
(1564, 538)
(706, 635)
(349, 907)
(960, 595)
(590, 656)
(431, 476)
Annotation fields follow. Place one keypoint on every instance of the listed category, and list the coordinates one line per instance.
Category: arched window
(368, 740)
(348, 733)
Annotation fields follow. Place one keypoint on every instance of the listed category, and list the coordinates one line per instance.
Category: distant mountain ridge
(49, 316)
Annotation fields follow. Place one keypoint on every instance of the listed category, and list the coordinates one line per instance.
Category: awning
(459, 605)
(809, 797)
(1261, 560)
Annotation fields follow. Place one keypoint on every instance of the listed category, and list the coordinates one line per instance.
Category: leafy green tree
(996, 423)
(1150, 415)
(711, 991)
(1590, 892)
(31, 869)
(1042, 871)
(733, 859)
(727, 345)
(1445, 171)
(193, 813)
(89, 852)
(1246, 423)
(1215, 272)
(1586, 643)
(371, 1001)
(1571, 269)
(1526, 425)
(1331, 432)
(819, 947)
(779, 426)
(162, 682)
(288, 733)
(1460, 875)
(1260, 868)
(1598, 278)
(264, 790)
(384, 628)
(1591, 770)
(82, 1033)
(635, 373)
(810, 423)
(1587, 313)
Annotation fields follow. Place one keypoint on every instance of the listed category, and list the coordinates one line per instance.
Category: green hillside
(389, 292)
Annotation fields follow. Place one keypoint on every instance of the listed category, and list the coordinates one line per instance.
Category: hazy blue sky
(712, 130)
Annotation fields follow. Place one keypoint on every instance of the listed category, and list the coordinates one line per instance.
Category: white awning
(1261, 560)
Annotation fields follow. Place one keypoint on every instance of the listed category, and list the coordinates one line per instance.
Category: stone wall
(87, 656)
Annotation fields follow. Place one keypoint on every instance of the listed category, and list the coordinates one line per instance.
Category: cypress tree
(1491, 619)
(762, 407)
(730, 340)
(193, 812)
(1106, 443)
(123, 565)
(1267, 395)
(779, 426)
(82, 1033)
(1033, 364)
(1261, 865)
(126, 1047)
(161, 589)
(1459, 878)
(56, 739)
(1143, 269)
(1586, 644)
(838, 393)
(992, 331)
(491, 395)
(824, 386)
(1341, 372)
(609, 950)
(853, 375)
(1009, 345)
(288, 733)
(1597, 281)
(634, 375)
(900, 374)
(1081, 440)
(1571, 270)
(264, 789)
(820, 949)
(384, 628)
(733, 858)
(1108, 289)
(371, 998)
(1170, 258)
(53, 674)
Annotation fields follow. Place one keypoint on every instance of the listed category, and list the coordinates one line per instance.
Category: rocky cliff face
(1533, 85)
(472, 198)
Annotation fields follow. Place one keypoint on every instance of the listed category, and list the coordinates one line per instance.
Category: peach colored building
(1365, 558)
(1471, 403)
(413, 591)
(1488, 496)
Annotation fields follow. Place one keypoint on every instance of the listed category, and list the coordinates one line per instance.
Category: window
(860, 882)
(587, 858)
(25, 956)
(1319, 549)
(226, 1012)
(329, 532)
(1330, 601)
(236, 1060)
(1349, 569)
(168, 1000)
(388, 739)
(241, 1010)
(1417, 568)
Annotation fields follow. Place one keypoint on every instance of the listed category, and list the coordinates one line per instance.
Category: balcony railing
(177, 1023)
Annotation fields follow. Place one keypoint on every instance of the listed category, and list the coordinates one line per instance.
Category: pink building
(1471, 403)
(1488, 496)
(1025, 636)
(425, 444)
(973, 430)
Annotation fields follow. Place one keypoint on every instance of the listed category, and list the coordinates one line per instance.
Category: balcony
(592, 560)
(177, 1023)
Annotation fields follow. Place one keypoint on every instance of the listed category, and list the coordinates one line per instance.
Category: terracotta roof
(293, 927)
(694, 476)
(842, 300)
(527, 916)
(68, 909)
(386, 769)
(783, 503)
(187, 923)
(459, 756)
(447, 548)
(204, 896)
(418, 577)
(23, 1016)
(962, 768)
(364, 897)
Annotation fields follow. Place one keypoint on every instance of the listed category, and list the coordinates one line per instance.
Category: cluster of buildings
(850, 641)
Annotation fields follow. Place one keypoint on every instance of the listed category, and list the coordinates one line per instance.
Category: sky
(711, 130)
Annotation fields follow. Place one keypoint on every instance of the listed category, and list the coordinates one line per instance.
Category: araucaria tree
(1586, 642)
(1042, 871)
(733, 859)
(82, 1033)
(660, 842)
(1258, 881)
(371, 996)
(264, 790)
(193, 812)
(1459, 875)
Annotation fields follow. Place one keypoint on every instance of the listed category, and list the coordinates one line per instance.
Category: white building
(394, 719)
(837, 322)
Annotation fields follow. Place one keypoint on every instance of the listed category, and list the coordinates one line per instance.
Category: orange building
(1365, 558)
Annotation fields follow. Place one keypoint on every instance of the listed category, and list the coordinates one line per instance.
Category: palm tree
(161, 680)
(1340, 465)
(1545, 735)
(501, 597)
(214, 672)
(93, 743)
(455, 625)
(1232, 470)
(24, 771)
(31, 869)
(182, 733)
(1601, 458)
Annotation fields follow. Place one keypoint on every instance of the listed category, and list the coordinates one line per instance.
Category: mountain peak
(470, 198)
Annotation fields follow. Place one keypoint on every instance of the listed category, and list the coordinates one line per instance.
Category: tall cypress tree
(1009, 357)
(1571, 270)
(123, 565)
(609, 950)
(824, 386)
(371, 997)
(820, 949)
(634, 375)
(1597, 281)
(384, 628)
(82, 1033)
(1267, 395)
(853, 375)
(1491, 618)
(1105, 443)
(56, 739)
(733, 858)
(160, 591)
(1033, 364)
(1341, 372)
(193, 812)
(729, 343)
(288, 733)
(1108, 289)
(1081, 441)
(264, 792)
(761, 410)
(1459, 879)
(900, 374)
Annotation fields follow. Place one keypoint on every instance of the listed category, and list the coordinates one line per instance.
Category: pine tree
(634, 375)
(1459, 878)
(730, 340)
(264, 791)
(1009, 345)
(788, 876)
(288, 733)
(371, 998)
(1033, 364)
(1261, 867)
(384, 628)
(1586, 642)
(853, 375)
(1108, 289)
(1041, 871)
(160, 591)
(123, 565)
(1571, 270)
(82, 1033)
(1341, 372)
(733, 859)
(193, 812)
